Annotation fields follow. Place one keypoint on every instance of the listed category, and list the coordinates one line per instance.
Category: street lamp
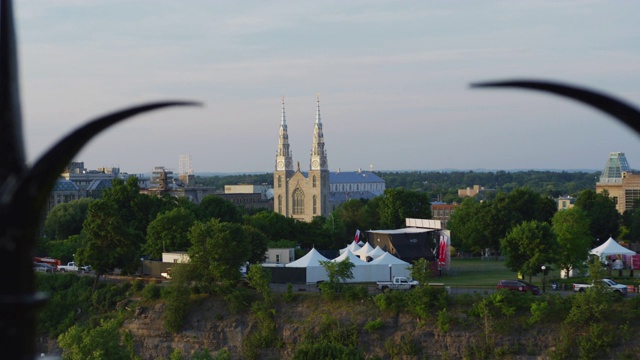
(544, 268)
(390, 268)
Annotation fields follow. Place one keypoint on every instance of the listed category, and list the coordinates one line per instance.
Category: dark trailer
(408, 244)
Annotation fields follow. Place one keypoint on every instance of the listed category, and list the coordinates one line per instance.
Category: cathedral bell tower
(318, 170)
(283, 171)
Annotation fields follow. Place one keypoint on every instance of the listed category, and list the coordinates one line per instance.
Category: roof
(312, 258)
(346, 177)
(337, 196)
(64, 185)
(351, 256)
(387, 258)
(402, 231)
(611, 247)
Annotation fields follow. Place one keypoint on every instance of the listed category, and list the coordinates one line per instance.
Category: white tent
(311, 262)
(353, 247)
(377, 252)
(390, 266)
(364, 251)
(611, 247)
(352, 257)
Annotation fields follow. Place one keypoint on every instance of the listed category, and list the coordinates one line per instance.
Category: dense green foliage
(603, 217)
(528, 246)
(476, 226)
(66, 219)
(337, 273)
(444, 185)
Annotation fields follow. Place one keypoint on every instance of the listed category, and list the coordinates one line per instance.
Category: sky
(392, 77)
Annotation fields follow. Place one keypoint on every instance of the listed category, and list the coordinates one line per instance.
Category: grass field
(477, 272)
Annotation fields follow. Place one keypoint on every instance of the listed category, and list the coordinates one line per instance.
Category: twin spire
(284, 158)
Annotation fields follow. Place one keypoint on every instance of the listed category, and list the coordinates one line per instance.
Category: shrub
(355, 292)
(374, 325)
(405, 346)
(326, 350)
(177, 300)
(151, 292)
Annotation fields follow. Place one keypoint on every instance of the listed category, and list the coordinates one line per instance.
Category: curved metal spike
(620, 110)
(11, 146)
(40, 178)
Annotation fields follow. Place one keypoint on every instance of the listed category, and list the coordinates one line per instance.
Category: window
(279, 204)
(314, 181)
(315, 201)
(279, 181)
(277, 258)
(298, 202)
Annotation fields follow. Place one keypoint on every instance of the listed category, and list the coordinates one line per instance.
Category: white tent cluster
(381, 265)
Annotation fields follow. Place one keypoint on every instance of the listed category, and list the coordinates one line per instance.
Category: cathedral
(296, 194)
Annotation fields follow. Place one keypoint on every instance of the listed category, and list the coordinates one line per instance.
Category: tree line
(125, 226)
(444, 185)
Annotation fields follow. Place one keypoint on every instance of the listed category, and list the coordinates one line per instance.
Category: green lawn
(477, 273)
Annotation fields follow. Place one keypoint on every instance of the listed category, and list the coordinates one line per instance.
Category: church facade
(299, 195)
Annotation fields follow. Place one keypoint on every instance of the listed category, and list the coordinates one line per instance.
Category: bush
(374, 325)
(177, 300)
(151, 292)
(355, 292)
(326, 350)
(406, 346)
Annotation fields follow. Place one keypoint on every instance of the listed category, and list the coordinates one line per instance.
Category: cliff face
(210, 325)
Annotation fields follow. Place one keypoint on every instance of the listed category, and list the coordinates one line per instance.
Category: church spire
(283, 156)
(318, 152)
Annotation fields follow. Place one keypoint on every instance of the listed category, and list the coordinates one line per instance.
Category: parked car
(518, 285)
(607, 283)
(45, 268)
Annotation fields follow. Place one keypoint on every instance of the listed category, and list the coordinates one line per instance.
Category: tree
(338, 272)
(66, 219)
(169, 232)
(571, 227)
(528, 246)
(399, 204)
(109, 242)
(468, 225)
(602, 214)
(217, 251)
(215, 207)
(529, 205)
(275, 226)
(102, 342)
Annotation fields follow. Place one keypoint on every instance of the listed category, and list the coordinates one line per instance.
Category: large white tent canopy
(611, 247)
(382, 268)
(312, 258)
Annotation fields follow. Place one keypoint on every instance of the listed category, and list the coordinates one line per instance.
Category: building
(565, 202)
(63, 191)
(617, 179)
(472, 192)
(441, 211)
(347, 185)
(299, 195)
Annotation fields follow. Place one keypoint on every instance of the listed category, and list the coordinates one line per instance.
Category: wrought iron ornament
(23, 194)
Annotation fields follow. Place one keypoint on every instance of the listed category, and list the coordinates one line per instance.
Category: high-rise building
(617, 179)
(298, 195)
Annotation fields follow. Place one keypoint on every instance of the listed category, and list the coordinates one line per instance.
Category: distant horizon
(393, 80)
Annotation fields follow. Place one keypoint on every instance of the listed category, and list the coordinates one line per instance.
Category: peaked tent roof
(376, 253)
(312, 258)
(353, 247)
(611, 247)
(365, 250)
(388, 259)
(352, 257)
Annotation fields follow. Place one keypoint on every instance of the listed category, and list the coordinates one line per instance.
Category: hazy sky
(393, 79)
